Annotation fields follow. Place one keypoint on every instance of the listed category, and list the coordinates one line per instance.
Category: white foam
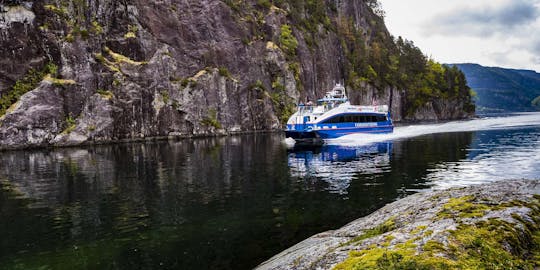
(488, 123)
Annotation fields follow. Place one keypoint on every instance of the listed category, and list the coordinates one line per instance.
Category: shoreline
(434, 229)
(186, 137)
(136, 140)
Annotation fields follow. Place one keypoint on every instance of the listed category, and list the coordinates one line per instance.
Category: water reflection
(216, 203)
(338, 165)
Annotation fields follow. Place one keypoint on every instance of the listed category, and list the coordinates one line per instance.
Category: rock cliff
(80, 71)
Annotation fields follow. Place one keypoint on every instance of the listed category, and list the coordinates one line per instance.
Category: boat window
(355, 118)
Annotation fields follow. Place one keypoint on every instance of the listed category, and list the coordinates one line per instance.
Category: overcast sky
(504, 33)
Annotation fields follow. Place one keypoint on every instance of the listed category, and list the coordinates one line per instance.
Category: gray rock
(325, 250)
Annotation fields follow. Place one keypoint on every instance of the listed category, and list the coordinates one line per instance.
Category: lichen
(485, 244)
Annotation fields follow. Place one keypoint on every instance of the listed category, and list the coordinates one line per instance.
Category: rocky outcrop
(480, 227)
(124, 70)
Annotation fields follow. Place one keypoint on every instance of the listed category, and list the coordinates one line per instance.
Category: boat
(333, 116)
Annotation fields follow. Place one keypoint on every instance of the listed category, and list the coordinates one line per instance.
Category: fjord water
(232, 202)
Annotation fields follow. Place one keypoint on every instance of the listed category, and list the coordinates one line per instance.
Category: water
(231, 203)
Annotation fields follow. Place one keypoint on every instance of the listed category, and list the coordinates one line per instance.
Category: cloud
(484, 21)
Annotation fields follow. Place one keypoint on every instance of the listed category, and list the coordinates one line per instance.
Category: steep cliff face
(81, 71)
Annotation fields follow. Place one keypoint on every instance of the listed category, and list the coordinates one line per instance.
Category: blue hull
(336, 133)
(333, 131)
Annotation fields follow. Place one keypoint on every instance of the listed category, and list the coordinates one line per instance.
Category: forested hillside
(503, 90)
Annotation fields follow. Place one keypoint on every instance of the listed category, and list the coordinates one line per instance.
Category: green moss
(385, 227)
(418, 229)
(487, 244)
(462, 207)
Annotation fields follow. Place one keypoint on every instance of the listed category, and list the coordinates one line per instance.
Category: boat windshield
(305, 109)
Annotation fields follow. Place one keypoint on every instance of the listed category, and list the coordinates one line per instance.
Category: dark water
(227, 203)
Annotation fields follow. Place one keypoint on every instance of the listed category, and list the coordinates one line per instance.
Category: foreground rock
(492, 226)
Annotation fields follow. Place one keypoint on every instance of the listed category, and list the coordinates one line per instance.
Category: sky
(503, 33)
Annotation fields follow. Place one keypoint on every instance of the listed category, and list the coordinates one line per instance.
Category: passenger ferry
(333, 116)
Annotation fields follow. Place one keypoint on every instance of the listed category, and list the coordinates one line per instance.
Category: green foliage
(308, 15)
(258, 85)
(264, 4)
(165, 96)
(60, 11)
(211, 120)
(30, 81)
(224, 72)
(287, 41)
(283, 104)
(70, 125)
(295, 68)
(97, 28)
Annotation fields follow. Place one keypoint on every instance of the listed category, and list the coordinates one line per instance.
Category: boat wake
(488, 123)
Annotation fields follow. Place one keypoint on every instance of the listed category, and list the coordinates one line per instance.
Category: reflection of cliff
(218, 203)
(187, 193)
(337, 165)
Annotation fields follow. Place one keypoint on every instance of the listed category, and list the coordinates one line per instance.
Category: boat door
(306, 119)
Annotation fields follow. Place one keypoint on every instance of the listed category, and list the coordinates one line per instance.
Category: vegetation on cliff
(28, 82)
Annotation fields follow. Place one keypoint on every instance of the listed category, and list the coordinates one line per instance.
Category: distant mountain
(503, 90)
